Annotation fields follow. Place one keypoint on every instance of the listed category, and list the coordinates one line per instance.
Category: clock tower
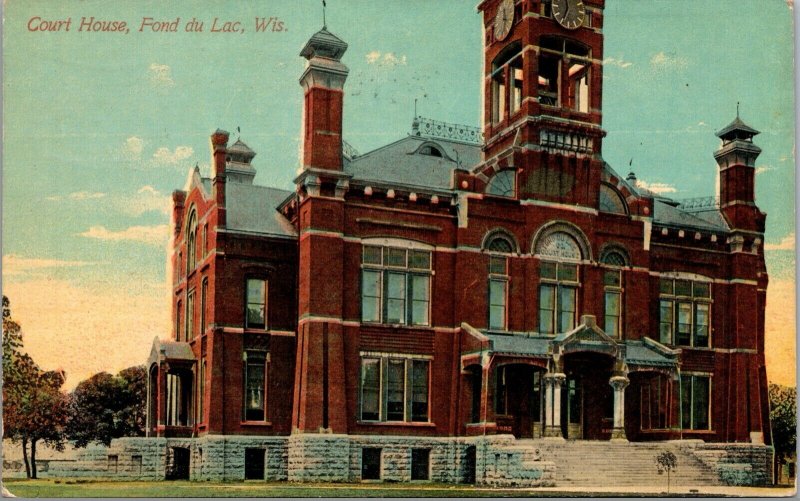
(542, 98)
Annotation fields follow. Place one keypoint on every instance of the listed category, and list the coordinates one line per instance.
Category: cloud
(657, 188)
(665, 62)
(164, 156)
(151, 235)
(621, 63)
(77, 196)
(763, 168)
(160, 76)
(786, 243)
(17, 265)
(146, 199)
(388, 59)
(134, 146)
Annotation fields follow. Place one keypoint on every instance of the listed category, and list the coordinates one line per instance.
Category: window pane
(665, 325)
(419, 388)
(548, 270)
(665, 285)
(701, 322)
(372, 255)
(684, 323)
(497, 304)
(702, 290)
(568, 272)
(395, 388)
(256, 303)
(396, 298)
(683, 288)
(566, 308)
(254, 397)
(686, 402)
(611, 278)
(420, 260)
(396, 257)
(612, 313)
(497, 265)
(420, 290)
(370, 296)
(547, 301)
(700, 394)
(370, 389)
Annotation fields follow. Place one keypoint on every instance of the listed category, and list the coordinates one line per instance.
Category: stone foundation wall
(739, 464)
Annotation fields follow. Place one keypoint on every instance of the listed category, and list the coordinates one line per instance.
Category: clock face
(569, 13)
(504, 19)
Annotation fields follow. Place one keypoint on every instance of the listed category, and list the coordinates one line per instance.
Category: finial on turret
(324, 22)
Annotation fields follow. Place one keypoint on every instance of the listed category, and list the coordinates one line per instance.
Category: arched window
(431, 151)
(191, 243)
(503, 184)
(560, 255)
(498, 246)
(611, 200)
(613, 259)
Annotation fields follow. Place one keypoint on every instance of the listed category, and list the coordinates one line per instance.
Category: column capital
(619, 383)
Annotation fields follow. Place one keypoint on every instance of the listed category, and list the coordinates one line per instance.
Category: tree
(105, 407)
(783, 418)
(666, 461)
(34, 407)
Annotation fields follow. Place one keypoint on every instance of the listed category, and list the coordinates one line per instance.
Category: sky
(101, 127)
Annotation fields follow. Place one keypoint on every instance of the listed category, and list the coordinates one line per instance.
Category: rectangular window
(499, 95)
(579, 86)
(395, 285)
(256, 314)
(190, 332)
(136, 464)
(178, 313)
(547, 309)
(370, 463)
(254, 463)
(613, 310)
(653, 403)
(255, 376)
(566, 308)
(420, 464)
(695, 400)
(516, 87)
(201, 391)
(205, 240)
(685, 312)
(203, 305)
(497, 303)
(476, 379)
(394, 389)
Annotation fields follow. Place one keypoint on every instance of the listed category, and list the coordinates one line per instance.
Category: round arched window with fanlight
(560, 255)
(503, 184)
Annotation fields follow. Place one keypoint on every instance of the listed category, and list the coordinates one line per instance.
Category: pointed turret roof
(737, 129)
(324, 44)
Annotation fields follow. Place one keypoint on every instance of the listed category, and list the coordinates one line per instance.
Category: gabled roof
(401, 163)
(169, 350)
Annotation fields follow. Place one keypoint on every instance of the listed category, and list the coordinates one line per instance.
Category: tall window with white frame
(695, 402)
(685, 312)
(394, 389)
(559, 281)
(613, 262)
(395, 285)
(255, 379)
(190, 331)
(191, 243)
(564, 74)
(256, 307)
(499, 248)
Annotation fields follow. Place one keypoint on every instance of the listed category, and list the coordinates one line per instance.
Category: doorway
(587, 403)
(519, 399)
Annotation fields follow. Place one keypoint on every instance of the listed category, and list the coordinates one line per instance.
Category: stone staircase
(628, 464)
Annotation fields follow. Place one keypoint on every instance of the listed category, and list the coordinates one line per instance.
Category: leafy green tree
(105, 407)
(34, 407)
(783, 418)
(666, 462)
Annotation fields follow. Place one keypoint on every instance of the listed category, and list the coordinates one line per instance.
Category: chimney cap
(324, 44)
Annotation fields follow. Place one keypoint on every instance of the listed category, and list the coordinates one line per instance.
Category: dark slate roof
(324, 43)
(173, 350)
(666, 214)
(252, 209)
(398, 163)
(519, 344)
(639, 353)
(737, 125)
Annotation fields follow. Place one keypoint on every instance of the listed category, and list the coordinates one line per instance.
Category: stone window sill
(256, 423)
(397, 423)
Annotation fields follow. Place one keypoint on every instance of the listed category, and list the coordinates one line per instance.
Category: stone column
(619, 383)
(553, 404)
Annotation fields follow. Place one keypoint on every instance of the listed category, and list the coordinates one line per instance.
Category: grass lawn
(48, 488)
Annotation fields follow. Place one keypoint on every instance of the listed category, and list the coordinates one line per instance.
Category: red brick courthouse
(496, 306)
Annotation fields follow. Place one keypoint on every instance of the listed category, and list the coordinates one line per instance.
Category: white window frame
(383, 391)
(693, 300)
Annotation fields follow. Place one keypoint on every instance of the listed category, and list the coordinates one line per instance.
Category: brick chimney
(219, 153)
